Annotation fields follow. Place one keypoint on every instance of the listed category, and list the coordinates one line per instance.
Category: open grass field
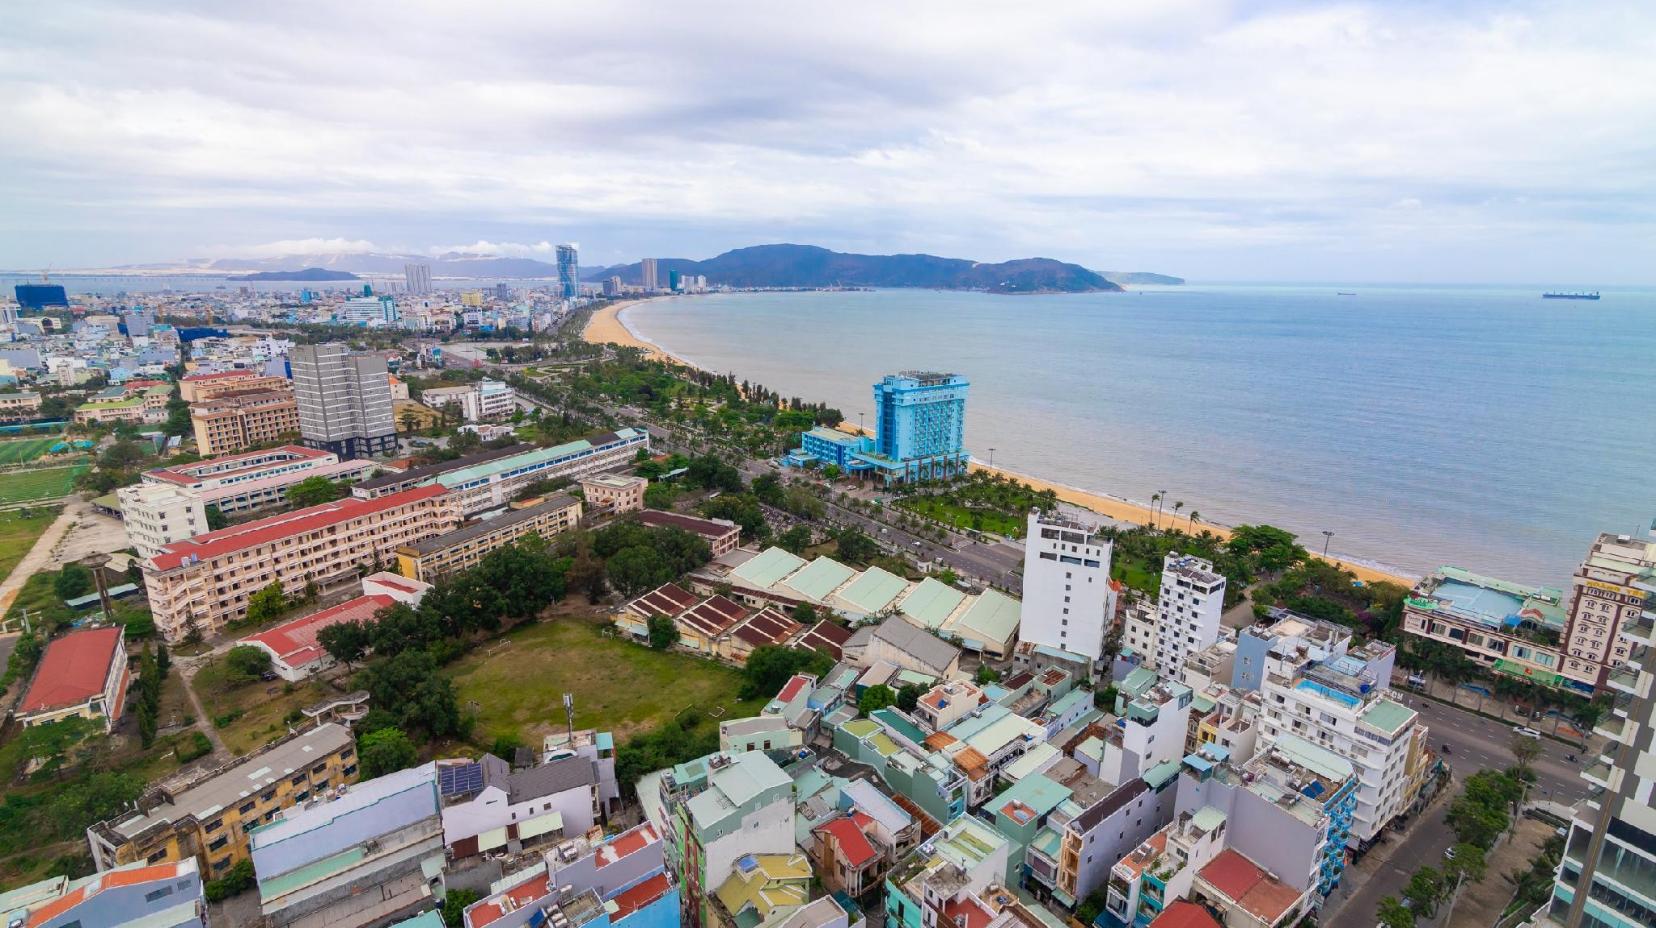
(40, 483)
(254, 714)
(951, 512)
(515, 685)
(24, 450)
(18, 532)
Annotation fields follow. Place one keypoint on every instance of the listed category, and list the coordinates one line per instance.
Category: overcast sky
(1405, 141)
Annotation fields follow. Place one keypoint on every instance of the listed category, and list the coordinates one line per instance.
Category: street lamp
(991, 459)
(859, 425)
(1327, 537)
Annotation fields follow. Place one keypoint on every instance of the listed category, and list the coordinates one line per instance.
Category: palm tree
(1176, 507)
(1154, 499)
(1195, 517)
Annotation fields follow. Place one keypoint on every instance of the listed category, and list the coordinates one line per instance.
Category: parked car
(1449, 853)
(1525, 732)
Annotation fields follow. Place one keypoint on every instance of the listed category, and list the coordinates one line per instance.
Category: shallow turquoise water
(1485, 428)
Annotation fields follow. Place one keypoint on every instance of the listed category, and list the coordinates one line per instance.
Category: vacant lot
(250, 715)
(20, 486)
(516, 685)
(24, 450)
(18, 530)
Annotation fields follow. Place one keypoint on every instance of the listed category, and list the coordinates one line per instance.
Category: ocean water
(1480, 427)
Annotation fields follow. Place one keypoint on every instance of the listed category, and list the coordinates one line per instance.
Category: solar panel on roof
(459, 779)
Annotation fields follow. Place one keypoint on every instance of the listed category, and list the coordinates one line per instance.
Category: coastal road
(1389, 867)
(1476, 743)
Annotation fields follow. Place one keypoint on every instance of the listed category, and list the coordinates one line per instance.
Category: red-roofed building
(701, 627)
(239, 483)
(665, 601)
(205, 582)
(825, 636)
(83, 673)
(1249, 897)
(199, 387)
(159, 895)
(722, 536)
(1182, 913)
(768, 626)
(845, 857)
(293, 648)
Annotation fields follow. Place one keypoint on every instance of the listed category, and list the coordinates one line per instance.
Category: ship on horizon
(1570, 296)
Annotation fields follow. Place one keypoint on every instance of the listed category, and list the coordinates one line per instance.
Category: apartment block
(491, 807)
(493, 484)
(618, 492)
(628, 869)
(1507, 628)
(197, 388)
(207, 815)
(396, 481)
(156, 515)
(20, 405)
(722, 535)
(1188, 609)
(721, 808)
(1153, 716)
(242, 483)
(931, 886)
(152, 896)
(236, 421)
(81, 675)
(355, 860)
(1611, 847)
(1606, 593)
(482, 401)
(441, 555)
(1068, 602)
(344, 400)
(205, 582)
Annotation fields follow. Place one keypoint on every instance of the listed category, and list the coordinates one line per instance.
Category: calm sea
(1480, 427)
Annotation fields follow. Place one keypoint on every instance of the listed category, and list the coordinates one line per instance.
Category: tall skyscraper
(1611, 848)
(569, 272)
(418, 277)
(344, 400)
(920, 424)
(1067, 600)
(675, 281)
(647, 273)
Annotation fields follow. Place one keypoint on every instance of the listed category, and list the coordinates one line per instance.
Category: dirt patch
(1481, 904)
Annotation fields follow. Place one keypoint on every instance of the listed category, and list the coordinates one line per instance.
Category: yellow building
(428, 559)
(208, 816)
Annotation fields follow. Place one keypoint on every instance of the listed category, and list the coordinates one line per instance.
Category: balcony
(1611, 726)
(1641, 630)
(1598, 774)
(1625, 678)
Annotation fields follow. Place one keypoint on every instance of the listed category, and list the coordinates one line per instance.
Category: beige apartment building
(239, 420)
(623, 492)
(206, 581)
(199, 388)
(19, 405)
(431, 558)
(1605, 601)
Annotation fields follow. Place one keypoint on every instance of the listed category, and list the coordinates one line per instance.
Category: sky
(1387, 141)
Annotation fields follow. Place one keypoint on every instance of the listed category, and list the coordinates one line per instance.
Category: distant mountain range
(309, 273)
(780, 265)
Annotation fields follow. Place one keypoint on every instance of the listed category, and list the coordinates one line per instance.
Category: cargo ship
(1570, 296)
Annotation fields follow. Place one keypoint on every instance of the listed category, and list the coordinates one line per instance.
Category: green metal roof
(527, 459)
(819, 578)
(874, 590)
(768, 568)
(931, 602)
(272, 887)
(993, 617)
(899, 724)
(1387, 716)
(1207, 818)
(1313, 756)
(860, 728)
(1038, 791)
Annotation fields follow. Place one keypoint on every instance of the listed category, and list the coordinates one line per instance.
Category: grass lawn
(515, 685)
(18, 530)
(952, 513)
(40, 483)
(24, 450)
(1136, 575)
(254, 714)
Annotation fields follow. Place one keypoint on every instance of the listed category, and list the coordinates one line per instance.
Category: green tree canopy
(314, 491)
(875, 698)
(266, 603)
(386, 751)
(664, 632)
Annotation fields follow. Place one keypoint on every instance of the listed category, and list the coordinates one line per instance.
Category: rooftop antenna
(569, 711)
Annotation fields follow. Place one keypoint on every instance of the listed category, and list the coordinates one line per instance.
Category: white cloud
(1202, 136)
(293, 246)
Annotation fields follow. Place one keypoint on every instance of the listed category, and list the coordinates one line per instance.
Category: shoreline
(606, 325)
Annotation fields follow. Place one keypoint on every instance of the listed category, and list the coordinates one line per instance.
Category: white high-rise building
(418, 277)
(1067, 600)
(647, 273)
(1188, 610)
(157, 514)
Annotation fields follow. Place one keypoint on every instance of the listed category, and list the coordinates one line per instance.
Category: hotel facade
(236, 421)
(205, 582)
(1506, 627)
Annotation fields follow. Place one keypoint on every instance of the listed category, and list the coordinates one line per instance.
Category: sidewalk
(1478, 697)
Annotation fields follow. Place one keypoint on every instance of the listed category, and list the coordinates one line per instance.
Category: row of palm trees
(1158, 508)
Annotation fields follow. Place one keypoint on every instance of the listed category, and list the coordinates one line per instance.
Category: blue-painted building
(919, 432)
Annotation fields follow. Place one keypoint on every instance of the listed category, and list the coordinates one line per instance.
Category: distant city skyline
(1414, 142)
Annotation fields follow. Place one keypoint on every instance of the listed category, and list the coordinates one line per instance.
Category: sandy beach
(606, 326)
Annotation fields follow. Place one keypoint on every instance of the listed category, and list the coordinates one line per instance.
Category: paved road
(1391, 866)
(1476, 743)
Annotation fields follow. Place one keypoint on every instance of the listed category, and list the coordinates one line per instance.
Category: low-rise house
(702, 626)
(208, 815)
(846, 859)
(1163, 868)
(721, 808)
(931, 782)
(294, 647)
(82, 674)
(598, 749)
(769, 733)
(892, 830)
(1072, 856)
(627, 870)
(947, 703)
(167, 895)
(665, 601)
(1248, 895)
(935, 884)
(761, 887)
(488, 806)
(356, 860)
